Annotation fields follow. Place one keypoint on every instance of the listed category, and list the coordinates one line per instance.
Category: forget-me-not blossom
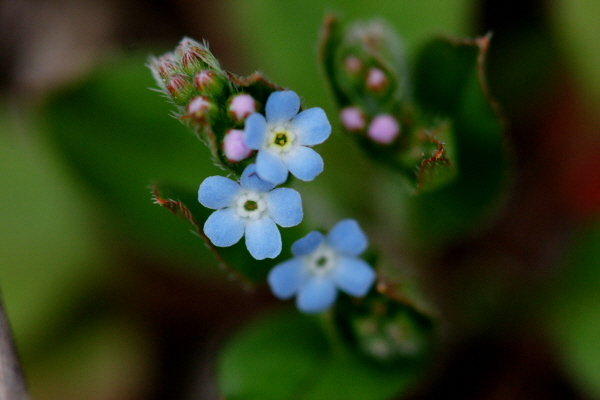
(251, 207)
(283, 137)
(322, 265)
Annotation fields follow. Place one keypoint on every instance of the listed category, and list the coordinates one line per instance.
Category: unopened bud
(376, 80)
(167, 65)
(384, 129)
(190, 53)
(207, 81)
(353, 119)
(180, 88)
(163, 68)
(234, 147)
(199, 107)
(353, 65)
(241, 106)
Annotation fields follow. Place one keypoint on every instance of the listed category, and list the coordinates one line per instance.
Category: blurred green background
(110, 297)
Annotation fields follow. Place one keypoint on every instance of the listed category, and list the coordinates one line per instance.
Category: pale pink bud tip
(178, 87)
(376, 79)
(353, 65)
(203, 79)
(352, 118)
(198, 105)
(384, 129)
(234, 147)
(166, 66)
(241, 106)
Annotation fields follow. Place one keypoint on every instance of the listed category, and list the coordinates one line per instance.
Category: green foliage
(450, 147)
(450, 84)
(288, 356)
(116, 135)
(574, 312)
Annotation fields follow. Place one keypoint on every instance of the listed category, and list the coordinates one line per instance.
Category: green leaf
(450, 84)
(116, 136)
(574, 311)
(287, 356)
(235, 259)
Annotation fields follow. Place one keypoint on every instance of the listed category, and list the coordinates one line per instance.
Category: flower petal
(270, 167)
(354, 276)
(304, 163)
(307, 244)
(282, 106)
(284, 279)
(217, 192)
(347, 238)
(311, 126)
(263, 239)
(285, 207)
(251, 180)
(255, 131)
(224, 228)
(316, 295)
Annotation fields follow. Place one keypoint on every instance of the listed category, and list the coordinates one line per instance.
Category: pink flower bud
(241, 106)
(199, 106)
(234, 147)
(384, 129)
(165, 65)
(353, 65)
(179, 87)
(191, 55)
(352, 118)
(205, 80)
(376, 80)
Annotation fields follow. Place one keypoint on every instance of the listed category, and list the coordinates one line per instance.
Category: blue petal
(316, 295)
(285, 207)
(224, 228)
(354, 276)
(284, 279)
(347, 238)
(255, 131)
(304, 163)
(282, 106)
(263, 239)
(307, 244)
(311, 126)
(251, 180)
(217, 192)
(270, 167)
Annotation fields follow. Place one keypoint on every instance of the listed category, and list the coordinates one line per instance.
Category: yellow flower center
(280, 139)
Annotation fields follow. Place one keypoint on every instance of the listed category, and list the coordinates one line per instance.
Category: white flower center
(322, 261)
(280, 139)
(250, 205)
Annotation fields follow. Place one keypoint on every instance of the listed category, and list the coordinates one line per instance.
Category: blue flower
(250, 207)
(323, 264)
(283, 136)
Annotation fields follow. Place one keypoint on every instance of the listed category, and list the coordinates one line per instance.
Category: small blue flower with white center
(322, 265)
(251, 207)
(283, 137)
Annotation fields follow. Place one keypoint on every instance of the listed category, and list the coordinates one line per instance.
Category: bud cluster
(368, 72)
(211, 101)
(191, 77)
(385, 329)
